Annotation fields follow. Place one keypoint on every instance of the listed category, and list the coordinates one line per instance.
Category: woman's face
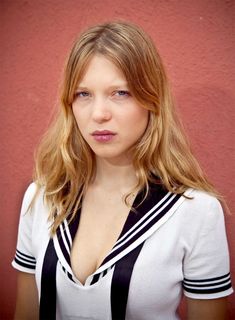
(109, 118)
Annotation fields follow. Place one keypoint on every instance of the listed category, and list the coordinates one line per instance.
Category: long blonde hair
(65, 164)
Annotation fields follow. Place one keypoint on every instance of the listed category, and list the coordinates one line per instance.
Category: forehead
(101, 70)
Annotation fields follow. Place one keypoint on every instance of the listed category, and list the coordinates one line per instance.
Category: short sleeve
(206, 264)
(24, 259)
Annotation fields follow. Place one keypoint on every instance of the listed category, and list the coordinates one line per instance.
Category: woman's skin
(27, 305)
(111, 121)
(108, 116)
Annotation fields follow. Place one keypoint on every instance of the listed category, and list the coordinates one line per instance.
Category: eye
(81, 94)
(122, 93)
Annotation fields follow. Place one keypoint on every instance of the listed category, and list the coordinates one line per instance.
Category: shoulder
(34, 212)
(202, 202)
(33, 229)
(201, 211)
(33, 201)
(200, 196)
(32, 191)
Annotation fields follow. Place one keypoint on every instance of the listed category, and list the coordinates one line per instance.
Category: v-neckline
(129, 222)
(147, 215)
(133, 216)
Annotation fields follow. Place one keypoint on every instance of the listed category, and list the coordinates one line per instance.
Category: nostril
(101, 115)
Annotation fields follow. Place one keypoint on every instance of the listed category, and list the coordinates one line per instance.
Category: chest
(100, 226)
(157, 259)
(157, 274)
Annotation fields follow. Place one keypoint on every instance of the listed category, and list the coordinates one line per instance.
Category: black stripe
(25, 255)
(206, 285)
(143, 230)
(62, 246)
(22, 264)
(32, 261)
(66, 236)
(156, 193)
(73, 225)
(209, 279)
(153, 221)
(48, 284)
(95, 278)
(144, 220)
(70, 276)
(121, 283)
(206, 291)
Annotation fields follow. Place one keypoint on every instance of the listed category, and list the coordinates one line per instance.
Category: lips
(103, 135)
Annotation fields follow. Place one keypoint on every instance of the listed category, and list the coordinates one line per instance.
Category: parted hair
(65, 164)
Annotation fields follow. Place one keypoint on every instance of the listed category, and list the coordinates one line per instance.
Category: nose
(100, 110)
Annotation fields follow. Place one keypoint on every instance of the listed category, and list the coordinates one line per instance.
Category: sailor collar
(149, 215)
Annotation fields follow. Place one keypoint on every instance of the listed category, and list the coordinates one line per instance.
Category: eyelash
(123, 93)
(82, 94)
(118, 93)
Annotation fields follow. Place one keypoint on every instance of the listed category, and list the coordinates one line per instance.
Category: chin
(105, 152)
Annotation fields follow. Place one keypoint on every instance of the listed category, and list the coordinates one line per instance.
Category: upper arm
(27, 306)
(206, 268)
(214, 309)
(206, 263)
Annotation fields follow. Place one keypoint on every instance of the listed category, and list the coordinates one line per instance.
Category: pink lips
(103, 135)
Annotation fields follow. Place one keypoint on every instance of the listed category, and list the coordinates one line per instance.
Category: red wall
(196, 40)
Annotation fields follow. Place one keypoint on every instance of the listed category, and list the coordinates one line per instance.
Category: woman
(122, 220)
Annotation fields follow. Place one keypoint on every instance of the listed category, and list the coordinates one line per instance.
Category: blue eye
(122, 93)
(82, 94)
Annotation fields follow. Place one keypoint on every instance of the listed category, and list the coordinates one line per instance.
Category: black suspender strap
(48, 284)
(121, 282)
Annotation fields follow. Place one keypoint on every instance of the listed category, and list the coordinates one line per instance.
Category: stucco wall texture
(196, 40)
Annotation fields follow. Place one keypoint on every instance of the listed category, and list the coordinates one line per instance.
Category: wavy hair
(65, 164)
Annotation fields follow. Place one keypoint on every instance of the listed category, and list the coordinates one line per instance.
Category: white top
(184, 250)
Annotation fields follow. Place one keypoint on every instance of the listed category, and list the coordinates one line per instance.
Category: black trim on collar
(139, 221)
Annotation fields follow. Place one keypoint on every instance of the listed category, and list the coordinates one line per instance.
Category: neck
(110, 175)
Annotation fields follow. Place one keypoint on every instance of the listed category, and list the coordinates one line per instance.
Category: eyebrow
(112, 87)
